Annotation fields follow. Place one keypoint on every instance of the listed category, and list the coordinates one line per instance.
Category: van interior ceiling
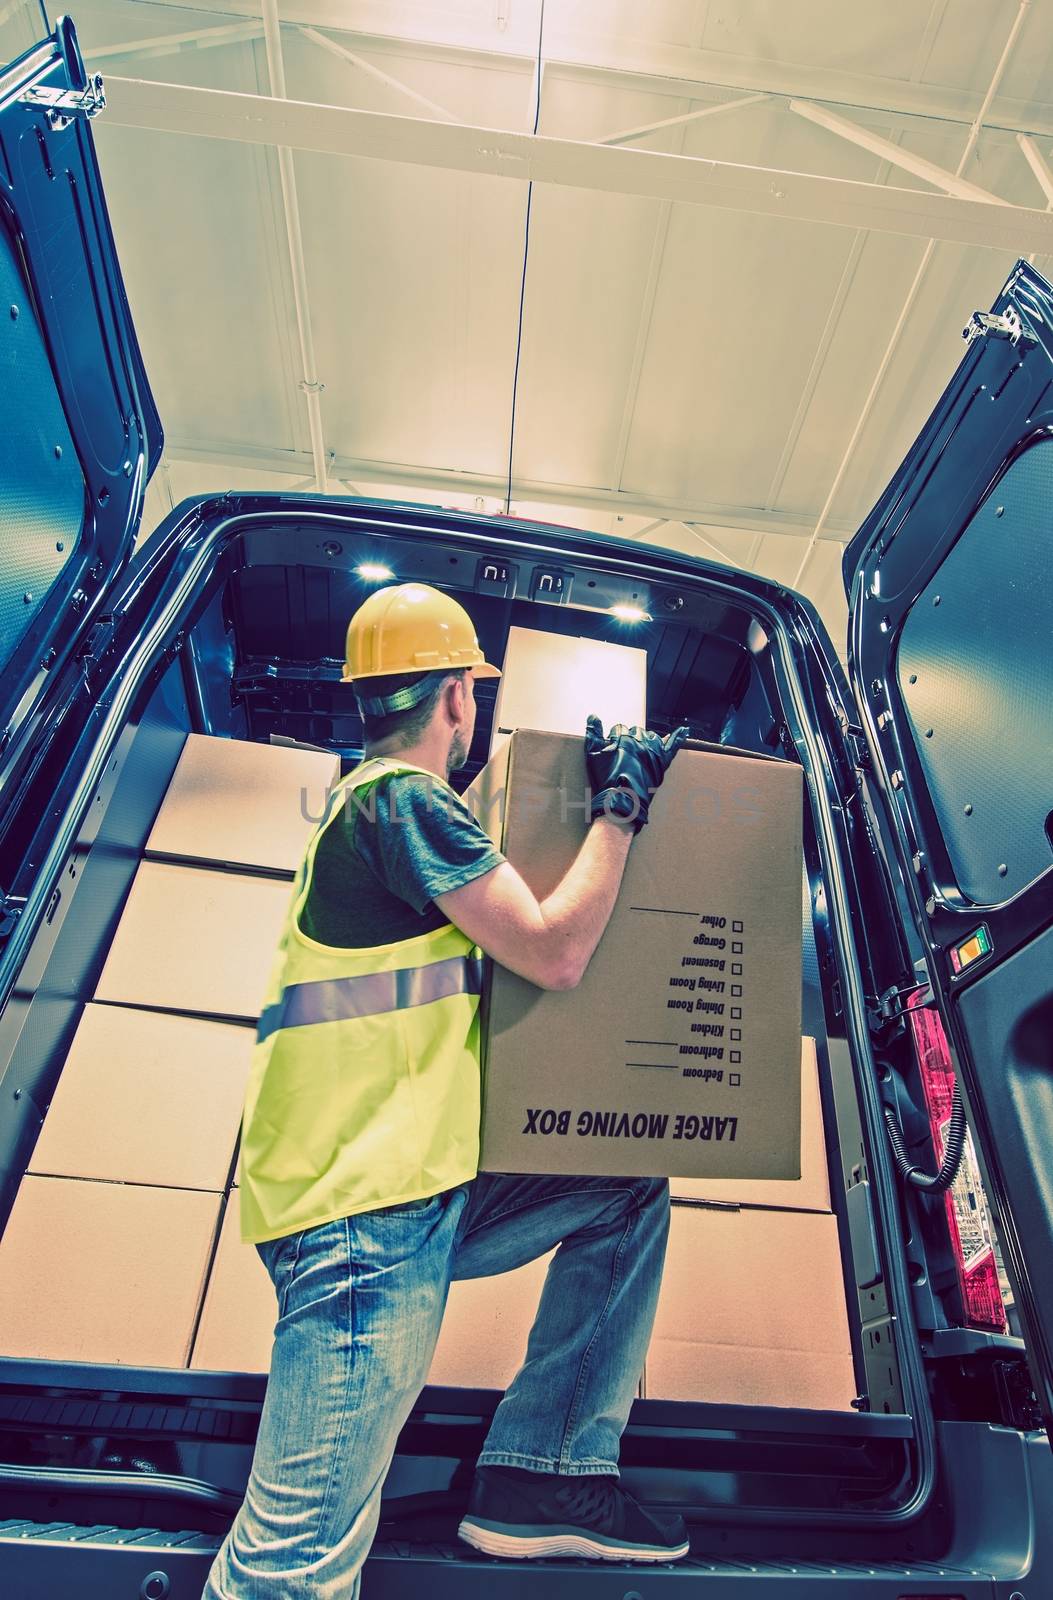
(259, 663)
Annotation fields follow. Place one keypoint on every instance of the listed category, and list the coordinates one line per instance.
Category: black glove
(625, 767)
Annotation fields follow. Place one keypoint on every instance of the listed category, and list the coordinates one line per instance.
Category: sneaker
(526, 1515)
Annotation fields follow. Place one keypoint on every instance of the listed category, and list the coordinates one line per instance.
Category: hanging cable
(931, 1183)
(526, 257)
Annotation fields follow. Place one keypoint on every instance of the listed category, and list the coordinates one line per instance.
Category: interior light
(630, 614)
(373, 572)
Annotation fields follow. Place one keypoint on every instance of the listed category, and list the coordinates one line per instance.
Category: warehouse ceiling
(727, 354)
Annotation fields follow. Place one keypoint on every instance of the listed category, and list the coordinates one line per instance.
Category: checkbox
(736, 1033)
(736, 969)
(736, 927)
(736, 989)
(734, 1079)
(736, 1013)
(735, 1056)
(736, 948)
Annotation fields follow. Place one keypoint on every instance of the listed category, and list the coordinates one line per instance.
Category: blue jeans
(360, 1302)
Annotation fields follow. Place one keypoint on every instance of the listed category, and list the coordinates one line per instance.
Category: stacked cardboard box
(752, 1312)
(104, 1272)
(752, 1309)
(242, 804)
(484, 1332)
(481, 1345)
(553, 681)
(108, 1251)
(195, 940)
(238, 1314)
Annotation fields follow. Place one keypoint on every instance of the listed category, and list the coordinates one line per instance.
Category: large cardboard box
(147, 1098)
(196, 939)
(680, 1051)
(104, 1271)
(752, 1312)
(809, 1192)
(236, 1330)
(485, 1328)
(481, 1344)
(254, 805)
(555, 680)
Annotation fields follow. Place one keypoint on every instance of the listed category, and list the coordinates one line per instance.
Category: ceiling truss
(960, 211)
(438, 480)
(539, 158)
(912, 294)
(422, 29)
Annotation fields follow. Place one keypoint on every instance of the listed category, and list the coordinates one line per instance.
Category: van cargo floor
(41, 1560)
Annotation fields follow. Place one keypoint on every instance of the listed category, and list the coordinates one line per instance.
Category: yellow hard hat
(410, 628)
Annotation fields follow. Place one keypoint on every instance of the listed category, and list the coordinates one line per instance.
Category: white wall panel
(199, 247)
(970, 41)
(415, 291)
(731, 343)
(875, 39)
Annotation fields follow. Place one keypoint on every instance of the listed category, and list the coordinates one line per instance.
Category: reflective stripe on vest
(365, 1083)
(340, 999)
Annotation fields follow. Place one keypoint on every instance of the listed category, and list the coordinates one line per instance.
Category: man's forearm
(579, 908)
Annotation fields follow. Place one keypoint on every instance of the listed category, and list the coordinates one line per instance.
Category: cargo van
(927, 972)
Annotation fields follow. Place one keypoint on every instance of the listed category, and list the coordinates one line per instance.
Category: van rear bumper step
(41, 1560)
(397, 1571)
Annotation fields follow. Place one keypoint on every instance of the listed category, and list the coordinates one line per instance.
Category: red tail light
(968, 1217)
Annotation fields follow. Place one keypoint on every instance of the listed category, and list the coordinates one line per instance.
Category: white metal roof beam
(1038, 164)
(949, 182)
(169, 44)
(632, 135)
(423, 28)
(341, 52)
(706, 540)
(309, 383)
(437, 480)
(459, 147)
(648, 528)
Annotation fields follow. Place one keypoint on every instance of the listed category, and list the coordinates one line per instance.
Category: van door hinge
(64, 106)
(991, 325)
(893, 1004)
(11, 908)
(859, 749)
(99, 641)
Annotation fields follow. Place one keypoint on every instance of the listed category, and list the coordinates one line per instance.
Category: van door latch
(990, 324)
(63, 106)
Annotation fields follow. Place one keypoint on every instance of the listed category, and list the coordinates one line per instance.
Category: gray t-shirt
(382, 861)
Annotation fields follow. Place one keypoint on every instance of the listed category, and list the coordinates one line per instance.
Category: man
(359, 1161)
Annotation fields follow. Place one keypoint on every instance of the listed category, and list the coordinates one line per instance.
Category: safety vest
(365, 1081)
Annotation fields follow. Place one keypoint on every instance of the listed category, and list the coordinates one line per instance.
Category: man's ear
(456, 697)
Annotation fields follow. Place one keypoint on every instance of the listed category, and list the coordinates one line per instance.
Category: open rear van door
(81, 433)
(950, 585)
